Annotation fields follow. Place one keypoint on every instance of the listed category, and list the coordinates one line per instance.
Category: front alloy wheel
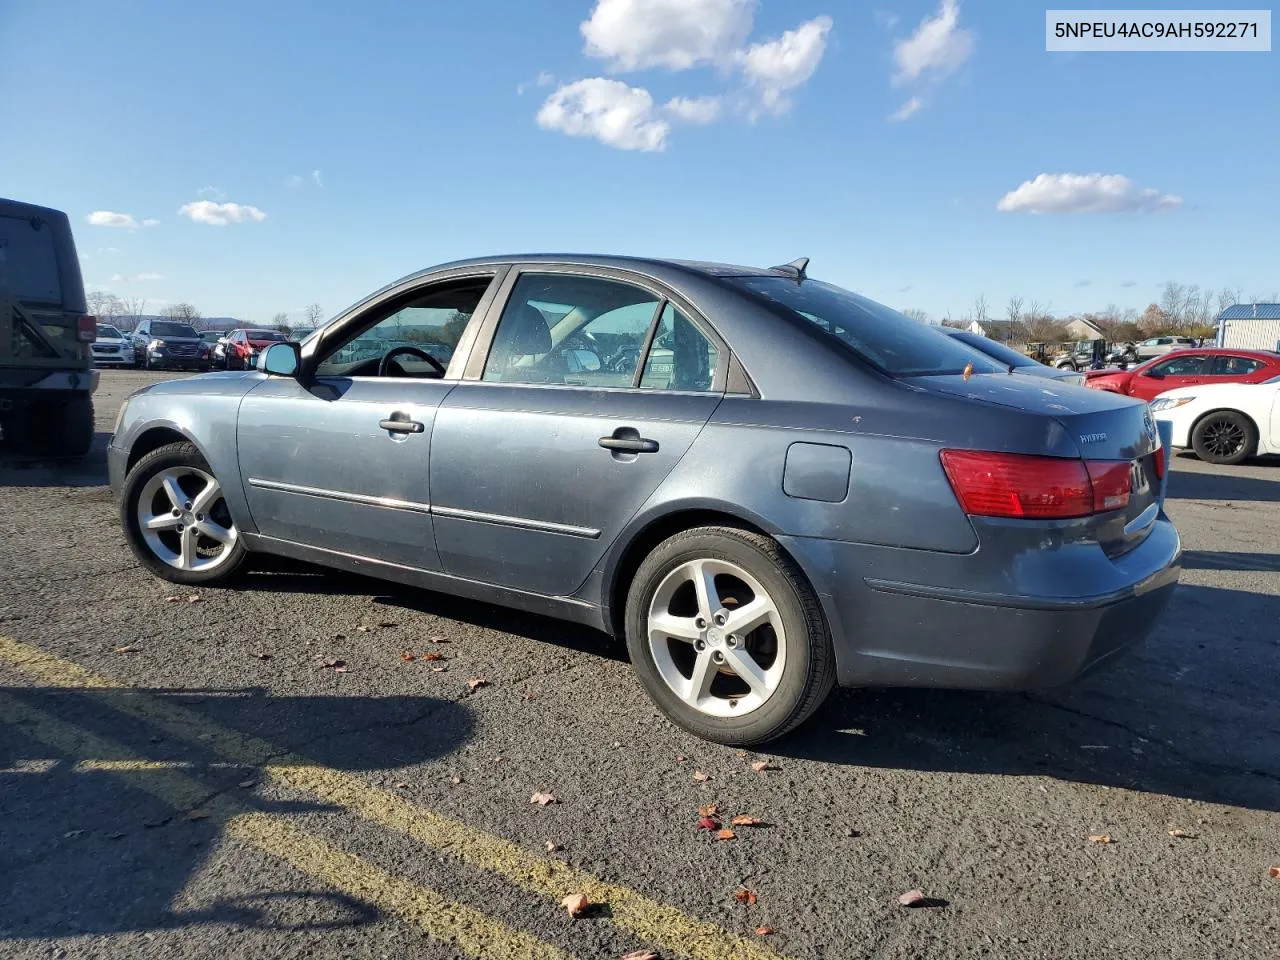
(176, 518)
(1224, 437)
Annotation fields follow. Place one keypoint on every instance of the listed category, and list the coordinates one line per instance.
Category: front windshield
(163, 328)
(889, 341)
(993, 348)
(108, 332)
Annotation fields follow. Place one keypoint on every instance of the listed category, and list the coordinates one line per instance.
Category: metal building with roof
(1250, 326)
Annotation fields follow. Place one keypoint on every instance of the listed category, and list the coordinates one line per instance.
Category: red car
(243, 346)
(1184, 368)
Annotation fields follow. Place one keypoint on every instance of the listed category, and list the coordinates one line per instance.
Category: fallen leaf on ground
(575, 903)
(1181, 835)
(197, 815)
(433, 657)
(127, 649)
(455, 780)
(246, 784)
(408, 657)
(551, 846)
(402, 786)
(172, 599)
(194, 598)
(742, 820)
(362, 629)
(912, 898)
(439, 669)
(528, 695)
(1100, 838)
(679, 758)
(765, 931)
(725, 834)
(762, 765)
(701, 777)
(710, 810)
(499, 759)
(475, 683)
(331, 663)
(75, 833)
(743, 895)
(438, 640)
(543, 799)
(708, 823)
(1273, 873)
(640, 955)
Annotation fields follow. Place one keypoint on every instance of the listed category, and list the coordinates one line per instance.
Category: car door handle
(401, 426)
(629, 444)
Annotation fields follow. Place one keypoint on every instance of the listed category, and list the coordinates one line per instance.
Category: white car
(1159, 346)
(1224, 422)
(111, 348)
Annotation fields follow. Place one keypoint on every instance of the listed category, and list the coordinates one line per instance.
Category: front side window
(571, 330)
(1187, 366)
(884, 338)
(431, 324)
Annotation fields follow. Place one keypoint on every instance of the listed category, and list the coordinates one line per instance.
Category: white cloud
(137, 278)
(106, 218)
(545, 79)
(608, 110)
(315, 178)
(151, 222)
(214, 192)
(108, 249)
(675, 34)
(143, 277)
(885, 18)
(1085, 193)
(908, 109)
(220, 214)
(938, 46)
(776, 66)
(699, 110)
(293, 180)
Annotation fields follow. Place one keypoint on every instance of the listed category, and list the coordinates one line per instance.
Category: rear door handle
(401, 426)
(628, 440)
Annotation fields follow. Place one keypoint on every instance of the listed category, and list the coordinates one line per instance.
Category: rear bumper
(898, 632)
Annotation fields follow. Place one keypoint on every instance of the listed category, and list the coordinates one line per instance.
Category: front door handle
(628, 440)
(398, 425)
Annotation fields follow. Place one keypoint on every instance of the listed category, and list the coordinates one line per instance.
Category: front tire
(727, 636)
(1224, 437)
(176, 519)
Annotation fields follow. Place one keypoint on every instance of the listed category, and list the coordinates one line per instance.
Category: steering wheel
(394, 352)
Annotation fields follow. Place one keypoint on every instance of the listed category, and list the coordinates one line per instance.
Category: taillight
(1017, 485)
(87, 329)
(1159, 463)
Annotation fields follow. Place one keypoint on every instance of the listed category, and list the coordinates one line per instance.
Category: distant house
(976, 327)
(1250, 326)
(1081, 329)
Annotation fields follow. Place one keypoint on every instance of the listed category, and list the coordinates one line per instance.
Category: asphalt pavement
(180, 777)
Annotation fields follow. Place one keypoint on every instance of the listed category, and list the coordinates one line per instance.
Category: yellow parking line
(469, 930)
(664, 926)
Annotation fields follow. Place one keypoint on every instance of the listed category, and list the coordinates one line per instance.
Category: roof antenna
(796, 268)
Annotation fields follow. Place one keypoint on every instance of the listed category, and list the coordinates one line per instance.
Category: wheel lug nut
(181, 528)
(188, 506)
(699, 646)
(177, 512)
(719, 618)
(702, 624)
(200, 517)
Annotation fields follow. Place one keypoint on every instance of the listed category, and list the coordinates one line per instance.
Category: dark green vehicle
(46, 370)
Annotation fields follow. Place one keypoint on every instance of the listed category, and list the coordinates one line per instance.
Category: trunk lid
(1105, 426)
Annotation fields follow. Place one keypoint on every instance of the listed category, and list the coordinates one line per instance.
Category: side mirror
(280, 360)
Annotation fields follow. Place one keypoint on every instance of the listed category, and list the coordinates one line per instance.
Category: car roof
(617, 261)
(1268, 355)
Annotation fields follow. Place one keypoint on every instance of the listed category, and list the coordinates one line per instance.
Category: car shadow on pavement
(89, 848)
(20, 470)
(1230, 560)
(1189, 485)
(1190, 714)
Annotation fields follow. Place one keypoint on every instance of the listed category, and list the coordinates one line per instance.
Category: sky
(252, 157)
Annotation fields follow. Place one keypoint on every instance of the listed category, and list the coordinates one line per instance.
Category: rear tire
(176, 520)
(697, 674)
(1225, 437)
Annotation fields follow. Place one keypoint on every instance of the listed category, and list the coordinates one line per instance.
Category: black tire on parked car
(147, 502)
(1224, 436)
(795, 663)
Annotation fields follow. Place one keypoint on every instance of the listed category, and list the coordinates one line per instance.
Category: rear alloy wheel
(176, 518)
(1225, 437)
(727, 636)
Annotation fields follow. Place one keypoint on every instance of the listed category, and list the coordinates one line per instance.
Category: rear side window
(681, 358)
(1235, 366)
(29, 261)
(889, 341)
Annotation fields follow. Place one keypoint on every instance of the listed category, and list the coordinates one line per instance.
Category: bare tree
(181, 312)
(1229, 296)
(1173, 304)
(281, 322)
(133, 309)
(916, 314)
(107, 307)
(980, 310)
(314, 314)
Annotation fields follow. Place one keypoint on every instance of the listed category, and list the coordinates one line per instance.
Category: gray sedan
(765, 483)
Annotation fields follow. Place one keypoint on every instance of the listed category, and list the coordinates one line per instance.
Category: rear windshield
(28, 261)
(895, 344)
(993, 348)
(107, 332)
(265, 335)
(163, 328)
